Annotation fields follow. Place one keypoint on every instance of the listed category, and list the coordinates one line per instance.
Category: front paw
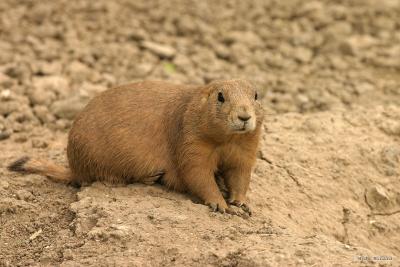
(217, 207)
(241, 205)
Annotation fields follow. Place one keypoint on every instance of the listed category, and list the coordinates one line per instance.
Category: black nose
(244, 117)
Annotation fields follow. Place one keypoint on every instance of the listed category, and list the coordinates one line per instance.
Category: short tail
(53, 171)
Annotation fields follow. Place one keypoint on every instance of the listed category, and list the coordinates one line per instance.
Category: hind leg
(152, 179)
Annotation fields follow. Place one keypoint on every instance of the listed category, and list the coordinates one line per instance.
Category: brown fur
(182, 134)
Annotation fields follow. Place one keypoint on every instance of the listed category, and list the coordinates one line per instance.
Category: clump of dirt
(325, 187)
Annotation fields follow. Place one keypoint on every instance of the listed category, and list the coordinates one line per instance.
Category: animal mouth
(242, 129)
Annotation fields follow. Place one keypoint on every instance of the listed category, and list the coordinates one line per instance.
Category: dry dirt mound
(324, 192)
(326, 186)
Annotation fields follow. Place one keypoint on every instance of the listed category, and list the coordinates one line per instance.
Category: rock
(39, 96)
(141, 70)
(163, 51)
(241, 55)
(390, 127)
(4, 184)
(247, 38)
(78, 71)
(35, 234)
(19, 71)
(221, 51)
(43, 114)
(309, 7)
(21, 138)
(62, 124)
(354, 44)
(378, 198)
(182, 62)
(363, 87)
(302, 54)
(23, 115)
(68, 108)
(68, 254)
(37, 143)
(5, 81)
(6, 108)
(4, 134)
(108, 79)
(57, 84)
(91, 90)
(47, 68)
(334, 30)
(5, 95)
(24, 195)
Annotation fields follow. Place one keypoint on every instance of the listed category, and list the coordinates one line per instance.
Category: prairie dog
(178, 134)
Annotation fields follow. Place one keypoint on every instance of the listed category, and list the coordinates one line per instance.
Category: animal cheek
(252, 124)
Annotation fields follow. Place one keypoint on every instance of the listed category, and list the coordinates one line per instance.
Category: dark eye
(221, 97)
(256, 96)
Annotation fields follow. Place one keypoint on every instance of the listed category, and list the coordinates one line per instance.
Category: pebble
(52, 83)
(161, 50)
(37, 143)
(378, 197)
(35, 234)
(24, 195)
(4, 184)
(69, 107)
(4, 135)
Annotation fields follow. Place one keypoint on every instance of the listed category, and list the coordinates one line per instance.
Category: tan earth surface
(326, 187)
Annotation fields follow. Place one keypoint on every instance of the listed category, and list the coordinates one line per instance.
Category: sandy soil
(325, 190)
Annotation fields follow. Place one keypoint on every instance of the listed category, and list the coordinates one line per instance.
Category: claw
(241, 205)
(213, 206)
(216, 208)
(232, 212)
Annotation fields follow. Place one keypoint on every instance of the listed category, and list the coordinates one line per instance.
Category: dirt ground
(326, 188)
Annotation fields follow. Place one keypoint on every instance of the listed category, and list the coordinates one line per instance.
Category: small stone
(24, 195)
(40, 96)
(4, 135)
(47, 68)
(52, 83)
(309, 7)
(4, 184)
(378, 198)
(21, 138)
(91, 89)
(61, 124)
(363, 87)
(353, 45)
(37, 143)
(222, 51)
(43, 114)
(160, 50)
(8, 107)
(35, 234)
(390, 127)
(5, 81)
(302, 54)
(391, 156)
(78, 71)
(68, 108)
(68, 254)
(5, 95)
(247, 38)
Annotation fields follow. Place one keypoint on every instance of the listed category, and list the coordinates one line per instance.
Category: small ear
(206, 91)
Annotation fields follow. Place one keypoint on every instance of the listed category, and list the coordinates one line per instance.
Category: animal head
(232, 106)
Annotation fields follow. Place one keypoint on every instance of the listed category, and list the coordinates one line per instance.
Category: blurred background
(304, 56)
